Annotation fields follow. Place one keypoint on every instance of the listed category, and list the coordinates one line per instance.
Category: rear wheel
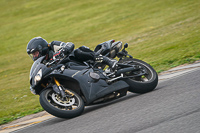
(71, 107)
(144, 79)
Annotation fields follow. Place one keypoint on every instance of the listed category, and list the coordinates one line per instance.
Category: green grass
(163, 33)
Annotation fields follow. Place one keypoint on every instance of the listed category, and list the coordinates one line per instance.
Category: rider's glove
(58, 55)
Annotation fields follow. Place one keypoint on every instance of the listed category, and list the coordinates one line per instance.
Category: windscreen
(35, 64)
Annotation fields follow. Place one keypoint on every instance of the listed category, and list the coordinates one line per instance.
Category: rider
(38, 47)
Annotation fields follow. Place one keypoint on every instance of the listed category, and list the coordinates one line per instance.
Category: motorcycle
(66, 88)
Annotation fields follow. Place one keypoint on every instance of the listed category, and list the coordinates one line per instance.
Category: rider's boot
(111, 63)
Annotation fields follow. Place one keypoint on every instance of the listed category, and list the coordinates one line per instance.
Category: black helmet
(37, 47)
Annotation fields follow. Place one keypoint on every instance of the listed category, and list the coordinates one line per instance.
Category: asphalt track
(173, 107)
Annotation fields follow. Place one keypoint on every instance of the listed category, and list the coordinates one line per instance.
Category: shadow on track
(91, 108)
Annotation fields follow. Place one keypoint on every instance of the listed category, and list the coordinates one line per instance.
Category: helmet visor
(34, 55)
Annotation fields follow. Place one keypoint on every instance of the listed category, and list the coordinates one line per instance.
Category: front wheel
(71, 107)
(144, 79)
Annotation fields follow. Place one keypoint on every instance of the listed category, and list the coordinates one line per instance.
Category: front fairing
(36, 67)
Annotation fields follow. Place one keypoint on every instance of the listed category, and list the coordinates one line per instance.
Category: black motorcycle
(66, 88)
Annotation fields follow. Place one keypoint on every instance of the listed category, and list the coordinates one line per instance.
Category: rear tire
(53, 104)
(141, 84)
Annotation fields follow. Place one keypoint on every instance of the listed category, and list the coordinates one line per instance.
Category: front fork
(60, 91)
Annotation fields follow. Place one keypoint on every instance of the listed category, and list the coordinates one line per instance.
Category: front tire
(71, 107)
(144, 80)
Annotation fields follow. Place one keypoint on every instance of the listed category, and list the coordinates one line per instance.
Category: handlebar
(54, 61)
(50, 63)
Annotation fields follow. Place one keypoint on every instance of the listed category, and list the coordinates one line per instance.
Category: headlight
(38, 76)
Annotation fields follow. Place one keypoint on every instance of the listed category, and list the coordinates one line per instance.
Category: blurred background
(163, 33)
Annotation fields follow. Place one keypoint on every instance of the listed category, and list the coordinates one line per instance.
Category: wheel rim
(72, 102)
(57, 99)
(144, 74)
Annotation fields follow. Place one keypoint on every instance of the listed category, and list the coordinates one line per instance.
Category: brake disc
(68, 102)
